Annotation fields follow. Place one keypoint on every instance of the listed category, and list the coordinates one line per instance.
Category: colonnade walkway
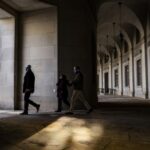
(110, 127)
(123, 101)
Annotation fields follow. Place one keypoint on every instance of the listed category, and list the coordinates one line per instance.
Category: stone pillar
(145, 66)
(121, 74)
(18, 35)
(148, 41)
(110, 75)
(102, 75)
(121, 71)
(77, 44)
(131, 72)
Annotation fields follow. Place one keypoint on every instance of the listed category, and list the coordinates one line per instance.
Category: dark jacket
(29, 80)
(62, 88)
(78, 81)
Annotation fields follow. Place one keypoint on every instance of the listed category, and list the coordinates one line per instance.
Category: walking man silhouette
(28, 89)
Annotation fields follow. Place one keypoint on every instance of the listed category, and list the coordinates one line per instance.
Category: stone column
(77, 44)
(17, 62)
(121, 72)
(145, 66)
(131, 72)
(102, 76)
(110, 75)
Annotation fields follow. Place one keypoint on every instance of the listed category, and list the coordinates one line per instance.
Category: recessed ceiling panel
(27, 5)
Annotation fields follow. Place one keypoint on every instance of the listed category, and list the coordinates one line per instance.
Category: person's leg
(59, 105)
(26, 104)
(33, 103)
(73, 99)
(84, 101)
(65, 100)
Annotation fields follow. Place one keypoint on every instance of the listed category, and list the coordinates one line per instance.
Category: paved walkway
(118, 98)
(122, 101)
(103, 129)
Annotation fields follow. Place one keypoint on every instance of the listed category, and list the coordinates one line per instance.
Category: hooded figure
(62, 91)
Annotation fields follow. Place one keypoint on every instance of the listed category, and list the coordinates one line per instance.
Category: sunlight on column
(66, 133)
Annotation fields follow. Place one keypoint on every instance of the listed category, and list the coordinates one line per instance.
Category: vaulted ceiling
(129, 17)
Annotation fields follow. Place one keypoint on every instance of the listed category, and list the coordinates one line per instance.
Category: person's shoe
(90, 110)
(24, 113)
(69, 113)
(58, 111)
(38, 108)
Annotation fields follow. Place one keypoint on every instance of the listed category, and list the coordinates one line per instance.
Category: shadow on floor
(15, 128)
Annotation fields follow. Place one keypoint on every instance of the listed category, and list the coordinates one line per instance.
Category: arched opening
(125, 31)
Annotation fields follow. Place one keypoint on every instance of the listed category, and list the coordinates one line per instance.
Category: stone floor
(107, 128)
(124, 99)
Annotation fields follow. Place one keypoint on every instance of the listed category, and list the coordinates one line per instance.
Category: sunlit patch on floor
(66, 133)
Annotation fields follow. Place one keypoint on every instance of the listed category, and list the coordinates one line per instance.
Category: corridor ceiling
(133, 19)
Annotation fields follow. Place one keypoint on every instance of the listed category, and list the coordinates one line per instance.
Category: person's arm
(69, 83)
(24, 87)
(30, 83)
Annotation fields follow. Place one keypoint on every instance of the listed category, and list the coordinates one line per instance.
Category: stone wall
(40, 51)
(7, 63)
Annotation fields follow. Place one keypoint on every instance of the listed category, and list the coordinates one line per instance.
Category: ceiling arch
(107, 28)
(109, 12)
(103, 45)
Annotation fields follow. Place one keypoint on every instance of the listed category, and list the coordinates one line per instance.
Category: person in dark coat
(62, 92)
(28, 89)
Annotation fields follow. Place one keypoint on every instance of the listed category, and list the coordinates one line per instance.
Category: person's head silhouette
(28, 67)
(76, 69)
